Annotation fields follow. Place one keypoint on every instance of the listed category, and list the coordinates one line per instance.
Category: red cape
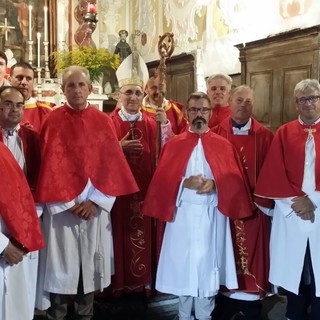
(35, 112)
(78, 145)
(233, 200)
(17, 207)
(251, 236)
(31, 152)
(174, 111)
(218, 115)
(282, 172)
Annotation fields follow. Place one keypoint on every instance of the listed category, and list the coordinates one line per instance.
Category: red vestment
(78, 145)
(17, 207)
(31, 152)
(282, 172)
(251, 235)
(133, 234)
(233, 194)
(174, 112)
(34, 113)
(218, 115)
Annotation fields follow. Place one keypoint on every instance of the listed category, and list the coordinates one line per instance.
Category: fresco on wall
(293, 8)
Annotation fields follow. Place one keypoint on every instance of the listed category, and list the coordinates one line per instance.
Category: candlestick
(38, 51)
(30, 23)
(45, 38)
(91, 8)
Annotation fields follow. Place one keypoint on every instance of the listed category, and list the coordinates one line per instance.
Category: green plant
(95, 60)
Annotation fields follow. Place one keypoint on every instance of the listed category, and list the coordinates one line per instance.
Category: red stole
(251, 235)
(35, 112)
(17, 206)
(233, 200)
(78, 145)
(218, 115)
(174, 112)
(282, 173)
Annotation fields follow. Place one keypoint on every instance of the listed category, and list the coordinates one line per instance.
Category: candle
(38, 47)
(30, 24)
(45, 38)
(91, 8)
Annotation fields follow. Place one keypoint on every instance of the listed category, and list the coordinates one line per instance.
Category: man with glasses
(18, 266)
(197, 187)
(20, 139)
(22, 76)
(250, 236)
(134, 234)
(290, 175)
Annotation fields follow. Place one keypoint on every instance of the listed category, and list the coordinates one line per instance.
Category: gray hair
(75, 68)
(239, 88)
(220, 76)
(197, 96)
(306, 84)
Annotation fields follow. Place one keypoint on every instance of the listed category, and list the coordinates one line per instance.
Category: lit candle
(91, 7)
(45, 38)
(30, 24)
(38, 43)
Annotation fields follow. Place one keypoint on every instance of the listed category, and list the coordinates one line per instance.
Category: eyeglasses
(130, 93)
(196, 110)
(10, 105)
(311, 99)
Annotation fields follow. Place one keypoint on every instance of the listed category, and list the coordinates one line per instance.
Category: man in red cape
(197, 185)
(22, 76)
(290, 175)
(20, 235)
(83, 169)
(250, 235)
(218, 90)
(173, 109)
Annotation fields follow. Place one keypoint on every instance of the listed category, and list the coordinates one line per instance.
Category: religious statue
(123, 48)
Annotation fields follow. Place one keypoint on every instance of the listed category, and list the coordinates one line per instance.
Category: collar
(241, 127)
(67, 103)
(304, 124)
(31, 100)
(146, 102)
(10, 131)
(125, 116)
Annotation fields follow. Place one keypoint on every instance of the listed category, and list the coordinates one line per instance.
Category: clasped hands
(304, 208)
(84, 210)
(199, 183)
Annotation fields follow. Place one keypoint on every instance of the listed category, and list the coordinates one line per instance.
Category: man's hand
(13, 254)
(84, 210)
(161, 116)
(199, 183)
(130, 146)
(304, 208)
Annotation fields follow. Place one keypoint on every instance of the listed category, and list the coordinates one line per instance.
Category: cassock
(197, 246)
(18, 220)
(133, 233)
(291, 169)
(81, 161)
(250, 235)
(174, 112)
(35, 111)
(218, 115)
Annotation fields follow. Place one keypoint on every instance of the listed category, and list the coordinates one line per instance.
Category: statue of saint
(123, 48)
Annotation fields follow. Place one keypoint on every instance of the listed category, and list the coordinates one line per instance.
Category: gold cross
(310, 130)
(6, 28)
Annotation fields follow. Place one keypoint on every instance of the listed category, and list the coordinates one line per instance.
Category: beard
(198, 122)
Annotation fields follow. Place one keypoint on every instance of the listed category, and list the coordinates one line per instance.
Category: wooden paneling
(273, 66)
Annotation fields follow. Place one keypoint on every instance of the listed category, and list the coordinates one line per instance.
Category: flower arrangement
(95, 60)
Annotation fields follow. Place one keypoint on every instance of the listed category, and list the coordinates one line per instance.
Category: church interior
(268, 45)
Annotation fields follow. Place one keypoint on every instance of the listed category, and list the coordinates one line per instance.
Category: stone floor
(165, 307)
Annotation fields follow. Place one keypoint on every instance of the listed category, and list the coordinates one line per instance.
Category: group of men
(194, 225)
